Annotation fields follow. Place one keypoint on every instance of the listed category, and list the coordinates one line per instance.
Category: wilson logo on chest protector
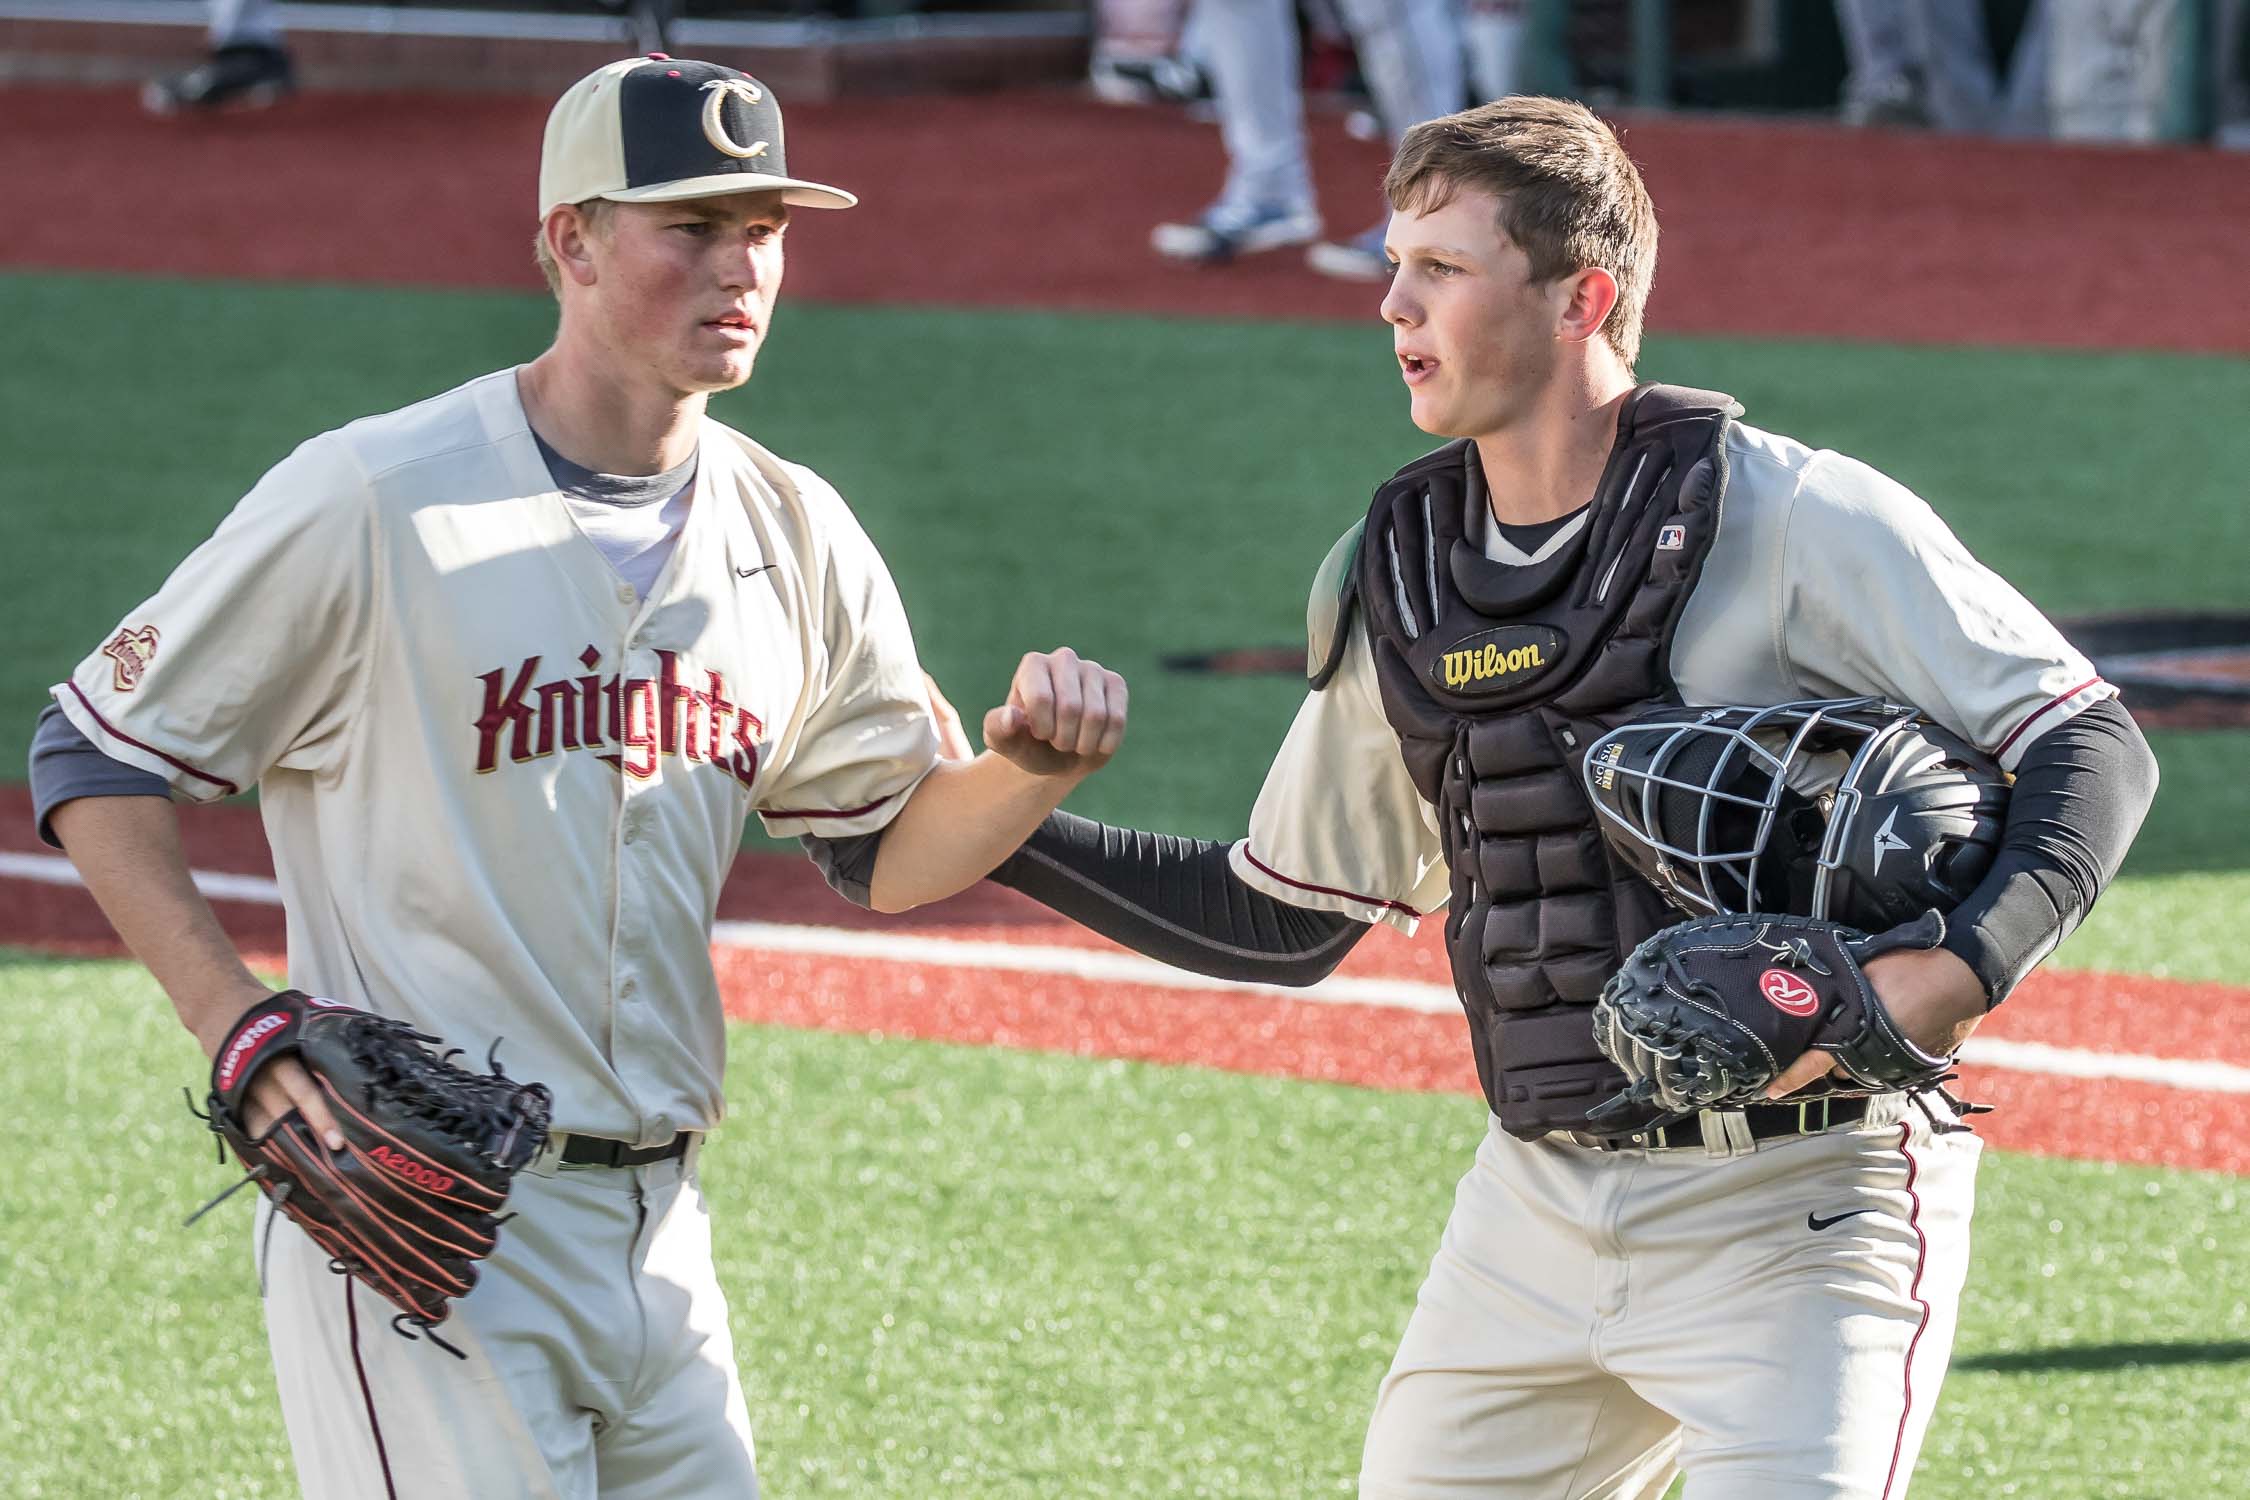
(1498, 659)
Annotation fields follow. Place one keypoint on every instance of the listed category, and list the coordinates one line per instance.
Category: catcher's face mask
(1851, 809)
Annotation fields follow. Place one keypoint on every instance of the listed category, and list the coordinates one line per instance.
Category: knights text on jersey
(501, 789)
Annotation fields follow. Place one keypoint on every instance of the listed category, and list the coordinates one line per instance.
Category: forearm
(2079, 797)
(127, 850)
(1177, 900)
(964, 818)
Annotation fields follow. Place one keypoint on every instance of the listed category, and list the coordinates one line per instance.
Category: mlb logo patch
(1672, 538)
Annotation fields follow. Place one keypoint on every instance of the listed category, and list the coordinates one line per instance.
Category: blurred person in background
(1411, 54)
(1496, 34)
(1922, 62)
(2108, 69)
(2232, 63)
(1146, 52)
(248, 67)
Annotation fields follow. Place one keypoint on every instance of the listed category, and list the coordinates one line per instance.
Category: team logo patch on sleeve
(130, 653)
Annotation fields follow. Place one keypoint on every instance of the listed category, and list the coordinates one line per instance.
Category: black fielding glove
(412, 1202)
(1707, 1014)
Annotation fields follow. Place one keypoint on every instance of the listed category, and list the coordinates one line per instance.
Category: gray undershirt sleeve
(66, 765)
(847, 864)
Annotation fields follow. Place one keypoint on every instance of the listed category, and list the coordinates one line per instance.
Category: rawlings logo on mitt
(412, 1201)
(1706, 1015)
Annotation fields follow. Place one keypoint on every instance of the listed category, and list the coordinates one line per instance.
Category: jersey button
(625, 593)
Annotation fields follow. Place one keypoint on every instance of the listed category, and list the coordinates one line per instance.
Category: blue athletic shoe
(1222, 233)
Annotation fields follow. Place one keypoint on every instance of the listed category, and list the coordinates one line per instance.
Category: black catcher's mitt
(412, 1202)
(1707, 1014)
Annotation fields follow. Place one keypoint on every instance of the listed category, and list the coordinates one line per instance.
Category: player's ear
(1588, 297)
(570, 241)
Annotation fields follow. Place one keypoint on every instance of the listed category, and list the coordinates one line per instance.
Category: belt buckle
(1726, 1133)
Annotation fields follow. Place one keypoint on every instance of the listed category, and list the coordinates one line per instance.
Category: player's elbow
(891, 902)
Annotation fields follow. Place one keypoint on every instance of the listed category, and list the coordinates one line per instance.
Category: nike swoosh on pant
(1815, 1222)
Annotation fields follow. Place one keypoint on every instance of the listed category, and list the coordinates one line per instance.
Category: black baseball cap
(657, 129)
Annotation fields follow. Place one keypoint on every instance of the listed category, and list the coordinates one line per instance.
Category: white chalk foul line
(1095, 964)
(53, 869)
(1105, 967)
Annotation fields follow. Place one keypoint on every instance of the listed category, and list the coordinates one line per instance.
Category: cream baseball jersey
(1826, 579)
(501, 788)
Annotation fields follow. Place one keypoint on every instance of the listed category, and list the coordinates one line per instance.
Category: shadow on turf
(2105, 1357)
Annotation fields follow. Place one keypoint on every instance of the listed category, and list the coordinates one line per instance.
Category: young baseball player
(1763, 1296)
(509, 669)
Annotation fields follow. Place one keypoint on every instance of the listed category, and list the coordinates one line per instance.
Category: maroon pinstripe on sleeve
(2042, 711)
(226, 787)
(1326, 890)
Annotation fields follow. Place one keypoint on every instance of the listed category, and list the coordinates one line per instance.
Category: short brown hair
(593, 211)
(1569, 195)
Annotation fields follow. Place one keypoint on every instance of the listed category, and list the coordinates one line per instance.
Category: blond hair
(594, 211)
(1569, 195)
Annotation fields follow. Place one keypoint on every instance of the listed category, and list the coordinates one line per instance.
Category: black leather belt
(593, 1151)
(1765, 1122)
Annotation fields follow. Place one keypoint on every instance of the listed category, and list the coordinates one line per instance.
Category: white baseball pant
(599, 1360)
(1410, 51)
(1776, 1323)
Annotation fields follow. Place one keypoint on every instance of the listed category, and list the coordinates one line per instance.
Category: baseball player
(1763, 1295)
(248, 66)
(1411, 52)
(509, 669)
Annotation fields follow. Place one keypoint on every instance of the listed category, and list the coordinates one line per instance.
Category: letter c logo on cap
(715, 116)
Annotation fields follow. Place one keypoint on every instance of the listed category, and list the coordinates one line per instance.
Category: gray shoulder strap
(1328, 611)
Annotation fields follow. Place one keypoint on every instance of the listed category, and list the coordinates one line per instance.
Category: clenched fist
(1065, 716)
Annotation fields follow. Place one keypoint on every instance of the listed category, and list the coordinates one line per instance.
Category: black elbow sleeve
(2080, 795)
(1176, 900)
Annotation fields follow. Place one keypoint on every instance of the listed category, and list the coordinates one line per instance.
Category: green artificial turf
(985, 1273)
(1135, 487)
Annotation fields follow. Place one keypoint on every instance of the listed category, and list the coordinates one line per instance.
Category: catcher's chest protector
(1498, 678)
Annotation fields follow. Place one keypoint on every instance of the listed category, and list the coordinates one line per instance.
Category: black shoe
(245, 76)
(1148, 80)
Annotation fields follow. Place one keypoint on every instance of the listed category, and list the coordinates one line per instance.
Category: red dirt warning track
(1046, 199)
(1375, 1046)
